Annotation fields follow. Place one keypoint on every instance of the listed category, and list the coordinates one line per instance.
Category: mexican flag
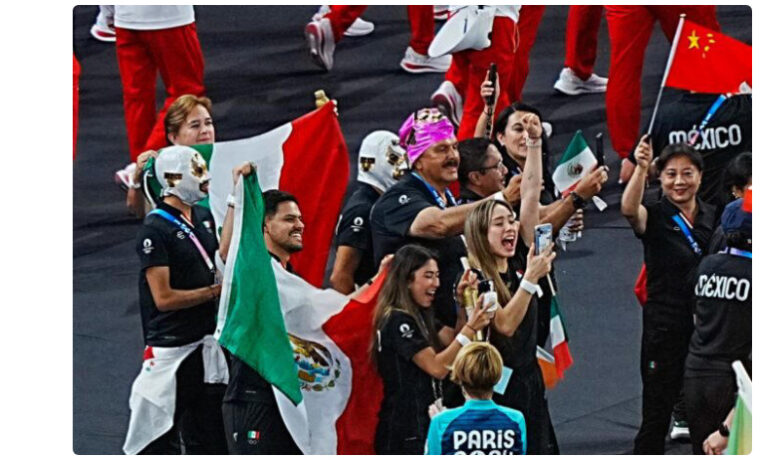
(740, 440)
(310, 344)
(307, 158)
(577, 161)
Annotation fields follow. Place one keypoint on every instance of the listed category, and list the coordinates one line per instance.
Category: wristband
(231, 200)
(531, 142)
(723, 430)
(528, 287)
(463, 339)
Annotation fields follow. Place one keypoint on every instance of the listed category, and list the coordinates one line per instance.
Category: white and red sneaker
(448, 100)
(319, 35)
(442, 12)
(414, 62)
(103, 33)
(124, 177)
(359, 28)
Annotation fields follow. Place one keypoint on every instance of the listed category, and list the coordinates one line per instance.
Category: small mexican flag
(577, 161)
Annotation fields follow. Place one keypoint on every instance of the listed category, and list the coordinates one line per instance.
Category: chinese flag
(706, 61)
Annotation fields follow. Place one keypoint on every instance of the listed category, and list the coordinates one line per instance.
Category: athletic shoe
(103, 33)
(359, 28)
(569, 83)
(124, 177)
(442, 12)
(448, 101)
(680, 431)
(320, 41)
(414, 62)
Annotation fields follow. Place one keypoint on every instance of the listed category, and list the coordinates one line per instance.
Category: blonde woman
(480, 426)
(412, 350)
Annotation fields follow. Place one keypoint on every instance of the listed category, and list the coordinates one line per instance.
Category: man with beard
(249, 403)
(421, 209)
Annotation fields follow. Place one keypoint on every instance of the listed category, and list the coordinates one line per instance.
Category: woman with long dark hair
(412, 350)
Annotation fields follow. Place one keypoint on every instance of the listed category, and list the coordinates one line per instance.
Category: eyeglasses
(498, 166)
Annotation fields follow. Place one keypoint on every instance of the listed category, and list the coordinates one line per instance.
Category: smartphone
(542, 237)
(492, 78)
(490, 298)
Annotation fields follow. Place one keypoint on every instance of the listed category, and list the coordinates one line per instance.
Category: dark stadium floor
(259, 75)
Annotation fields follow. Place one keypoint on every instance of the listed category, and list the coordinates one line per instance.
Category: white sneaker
(124, 177)
(359, 28)
(103, 32)
(414, 62)
(448, 101)
(441, 12)
(569, 83)
(319, 37)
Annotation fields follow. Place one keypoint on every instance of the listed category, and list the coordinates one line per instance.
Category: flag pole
(666, 71)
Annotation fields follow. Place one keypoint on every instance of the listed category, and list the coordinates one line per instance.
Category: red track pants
(421, 17)
(510, 48)
(630, 28)
(581, 38)
(176, 54)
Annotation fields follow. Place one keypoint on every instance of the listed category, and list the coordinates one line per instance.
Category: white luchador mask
(382, 160)
(182, 172)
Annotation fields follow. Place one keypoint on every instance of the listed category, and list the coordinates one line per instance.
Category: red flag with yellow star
(706, 61)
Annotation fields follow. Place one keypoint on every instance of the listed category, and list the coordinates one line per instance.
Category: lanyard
(738, 252)
(440, 201)
(708, 117)
(681, 221)
(188, 231)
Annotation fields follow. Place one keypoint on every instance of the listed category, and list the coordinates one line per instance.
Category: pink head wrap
(422, 130)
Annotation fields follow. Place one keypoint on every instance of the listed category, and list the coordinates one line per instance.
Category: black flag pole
(666, 71)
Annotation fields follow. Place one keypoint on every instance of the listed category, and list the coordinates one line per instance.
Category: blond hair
(479, 248)
(180, 109)
(477, 369)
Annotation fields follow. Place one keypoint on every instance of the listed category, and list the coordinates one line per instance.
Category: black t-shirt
(354, 229)
(669, 259)
(723, 326)
(408, 390)
(245, 384)
(161, 243)
(391, 220)
(467, 196)
(518, 351)
(728, 134)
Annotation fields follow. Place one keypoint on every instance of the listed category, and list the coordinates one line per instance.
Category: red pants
(421, 17)
(176, 54)
(510, 48)
(75, 102)
(581, 38)
(630, 28)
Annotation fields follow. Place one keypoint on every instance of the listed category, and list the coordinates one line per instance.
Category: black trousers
(662, 362)
(197, 423)
(708, 401)
(525, 392)
(257, 428)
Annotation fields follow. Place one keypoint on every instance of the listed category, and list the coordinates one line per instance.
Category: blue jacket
(480, 426)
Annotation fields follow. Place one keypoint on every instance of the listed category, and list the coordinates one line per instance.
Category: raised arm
(530, 187)
(508, 319)
(438, 365)
(229, 218)
(632, 199)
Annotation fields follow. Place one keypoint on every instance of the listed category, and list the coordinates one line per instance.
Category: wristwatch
(723, 430)
(578, 201)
